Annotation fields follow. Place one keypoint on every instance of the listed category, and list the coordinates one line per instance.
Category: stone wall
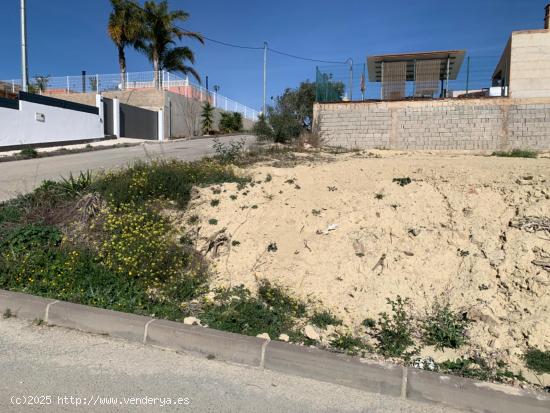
(473, 124)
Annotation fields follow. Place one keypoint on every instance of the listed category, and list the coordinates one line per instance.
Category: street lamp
(24, 68)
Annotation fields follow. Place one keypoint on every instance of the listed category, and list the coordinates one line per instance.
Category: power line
(306, 58)
(237, 46)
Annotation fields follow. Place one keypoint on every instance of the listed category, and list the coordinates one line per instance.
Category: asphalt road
(24, 176)
(55, 364)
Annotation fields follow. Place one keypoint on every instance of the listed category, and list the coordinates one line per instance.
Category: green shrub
(31, 236)
(28, 153)
(516, 153)
(286, 127)
(235, 309)
(9, 213)
(394, 331)
(325, 318)
(443, 327)
(537, 360)
(76, 186)
(231, 122)
(171, 180)
(478, 369)
(261, 129)
(350, 344)
(227, 153)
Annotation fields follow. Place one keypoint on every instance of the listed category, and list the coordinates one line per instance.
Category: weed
(233, 197)
(172, 180)
(230, 152)
(369, 323)
(332, 189)
(193, 220)
(38, 322)
(394, 331)
(402, 181)
(290, 181)
(443, 327)
(516, 153)
(537, 360)
(268, 178)
(215, 202)
(254, 206)
(7, 313)
(28, 153)
(272, 247)
(316, 212)
(29, 236)
(235, 243)
(478, 369)
(325, 318)
(350, 344)
(213, 221)
(237, 310)
(379, 196)
(76, 186)
(216, 191)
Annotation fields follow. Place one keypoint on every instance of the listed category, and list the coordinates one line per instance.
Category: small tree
(231, 122)
(207, 118)
(261, 129)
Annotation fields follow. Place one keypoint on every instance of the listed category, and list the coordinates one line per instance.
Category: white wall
(20, 127)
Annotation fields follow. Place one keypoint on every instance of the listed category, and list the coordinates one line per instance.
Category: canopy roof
(455, 57)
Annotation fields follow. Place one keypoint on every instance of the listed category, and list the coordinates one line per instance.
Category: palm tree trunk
(156, 69)
(122, 63)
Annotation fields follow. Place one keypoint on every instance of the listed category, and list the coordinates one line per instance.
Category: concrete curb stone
(224, 346)
(382, 378)
(462, 393)
(334, 368)
(24, 306)
(97, 320)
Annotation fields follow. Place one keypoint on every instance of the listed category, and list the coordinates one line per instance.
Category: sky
(68, 36)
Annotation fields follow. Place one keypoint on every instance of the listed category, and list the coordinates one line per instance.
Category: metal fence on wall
(351, 82)
(98, 83)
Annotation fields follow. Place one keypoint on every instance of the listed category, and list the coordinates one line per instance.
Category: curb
(375, 377)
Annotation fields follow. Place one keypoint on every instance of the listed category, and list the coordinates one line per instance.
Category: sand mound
(349, 236)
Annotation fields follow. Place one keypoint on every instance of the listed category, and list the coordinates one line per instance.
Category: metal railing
(100, 83)
(345, 82)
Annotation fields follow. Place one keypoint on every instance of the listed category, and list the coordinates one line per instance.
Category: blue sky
(67, 36)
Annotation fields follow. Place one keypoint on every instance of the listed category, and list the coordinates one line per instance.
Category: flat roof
(456, 58)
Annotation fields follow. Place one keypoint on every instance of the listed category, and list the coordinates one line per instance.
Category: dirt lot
(343, 233)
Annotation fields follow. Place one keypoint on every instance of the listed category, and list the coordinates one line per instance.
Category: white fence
(136, 80)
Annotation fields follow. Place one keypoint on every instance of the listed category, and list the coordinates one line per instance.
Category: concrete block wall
(473, 124)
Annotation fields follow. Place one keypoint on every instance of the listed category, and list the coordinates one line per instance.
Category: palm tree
(207, 118)
(159, 40)
(125, 29)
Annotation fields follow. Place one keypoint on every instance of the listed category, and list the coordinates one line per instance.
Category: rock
(264, 336)
(191, 321)
(284, 337)
(310, 333)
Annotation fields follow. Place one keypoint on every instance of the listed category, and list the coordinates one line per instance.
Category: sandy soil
(447, 234)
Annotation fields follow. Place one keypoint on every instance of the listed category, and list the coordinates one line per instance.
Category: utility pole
(24, 68)
(350, 61)
(264, 107)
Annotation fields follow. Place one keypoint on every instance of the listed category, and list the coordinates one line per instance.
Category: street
(24, 176)
(65, 371)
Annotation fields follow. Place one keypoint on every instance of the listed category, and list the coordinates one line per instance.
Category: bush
(235, 309)
(31, 236)
(76, 186)
(478, 369)
(443, 327)
(230, 152)
(394, 335)
(286, 127)
(348, 343)
(172, 180)
(231, 122)
(537, 360)
(262, 130)
(28, 153)
(516, 153)
(325, 318)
